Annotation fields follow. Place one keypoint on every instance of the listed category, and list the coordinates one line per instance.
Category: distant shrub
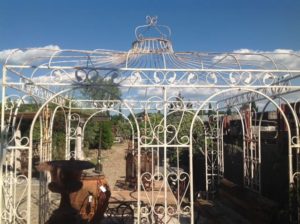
(106, 135)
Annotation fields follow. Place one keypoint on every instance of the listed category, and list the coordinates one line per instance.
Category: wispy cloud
(276, 59)
(56, 76)
(21, 57)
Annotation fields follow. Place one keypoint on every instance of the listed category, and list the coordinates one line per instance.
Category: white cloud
(187, 93)
(280, 58)
(27, 56)
(56, 76)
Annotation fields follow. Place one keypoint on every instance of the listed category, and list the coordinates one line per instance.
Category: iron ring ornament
(295, 141)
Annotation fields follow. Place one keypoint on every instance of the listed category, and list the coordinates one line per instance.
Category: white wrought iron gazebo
(186, 98)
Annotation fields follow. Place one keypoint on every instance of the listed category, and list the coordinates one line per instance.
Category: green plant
(105, 135)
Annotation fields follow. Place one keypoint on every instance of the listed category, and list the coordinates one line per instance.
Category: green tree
(106, 137)
(91, 134)
(121, 126)
(58, 144)
(102, 88)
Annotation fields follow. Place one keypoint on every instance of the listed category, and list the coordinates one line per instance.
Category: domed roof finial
(151, 25)
(151, 20)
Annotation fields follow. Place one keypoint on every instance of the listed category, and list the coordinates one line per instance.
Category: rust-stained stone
(84, 199)
(92, 199)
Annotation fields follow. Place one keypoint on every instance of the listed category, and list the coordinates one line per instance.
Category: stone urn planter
(75, 206)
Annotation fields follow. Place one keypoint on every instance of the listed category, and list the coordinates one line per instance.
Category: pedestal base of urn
(64, 216)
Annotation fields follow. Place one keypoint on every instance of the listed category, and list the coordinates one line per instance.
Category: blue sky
(198, 25)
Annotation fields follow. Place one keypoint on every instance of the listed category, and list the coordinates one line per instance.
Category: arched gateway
(183, 111)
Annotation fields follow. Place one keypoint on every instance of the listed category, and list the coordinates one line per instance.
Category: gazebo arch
(163, 93)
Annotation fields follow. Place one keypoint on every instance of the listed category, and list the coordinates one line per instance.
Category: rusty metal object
(131, 174)
(147, 166)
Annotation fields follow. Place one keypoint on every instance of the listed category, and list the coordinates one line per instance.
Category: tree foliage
(106, 135)
(102, 88)
(91, 134)
(121, 126)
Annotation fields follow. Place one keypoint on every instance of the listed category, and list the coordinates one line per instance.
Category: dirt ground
(113, 162)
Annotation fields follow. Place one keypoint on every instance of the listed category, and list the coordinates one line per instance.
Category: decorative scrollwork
(151, 20)
(209, 78)
(178, 183)
(247, 78)
(56, 75)
(145, 210)
(81, 76)
(268, 78)
(234, 78)
(151, 23)
(75, 123)
(13, 200)
(107, 104)
(212, 78)
(171, 77)
(136, 77)
(158, 77)
(192, 77)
